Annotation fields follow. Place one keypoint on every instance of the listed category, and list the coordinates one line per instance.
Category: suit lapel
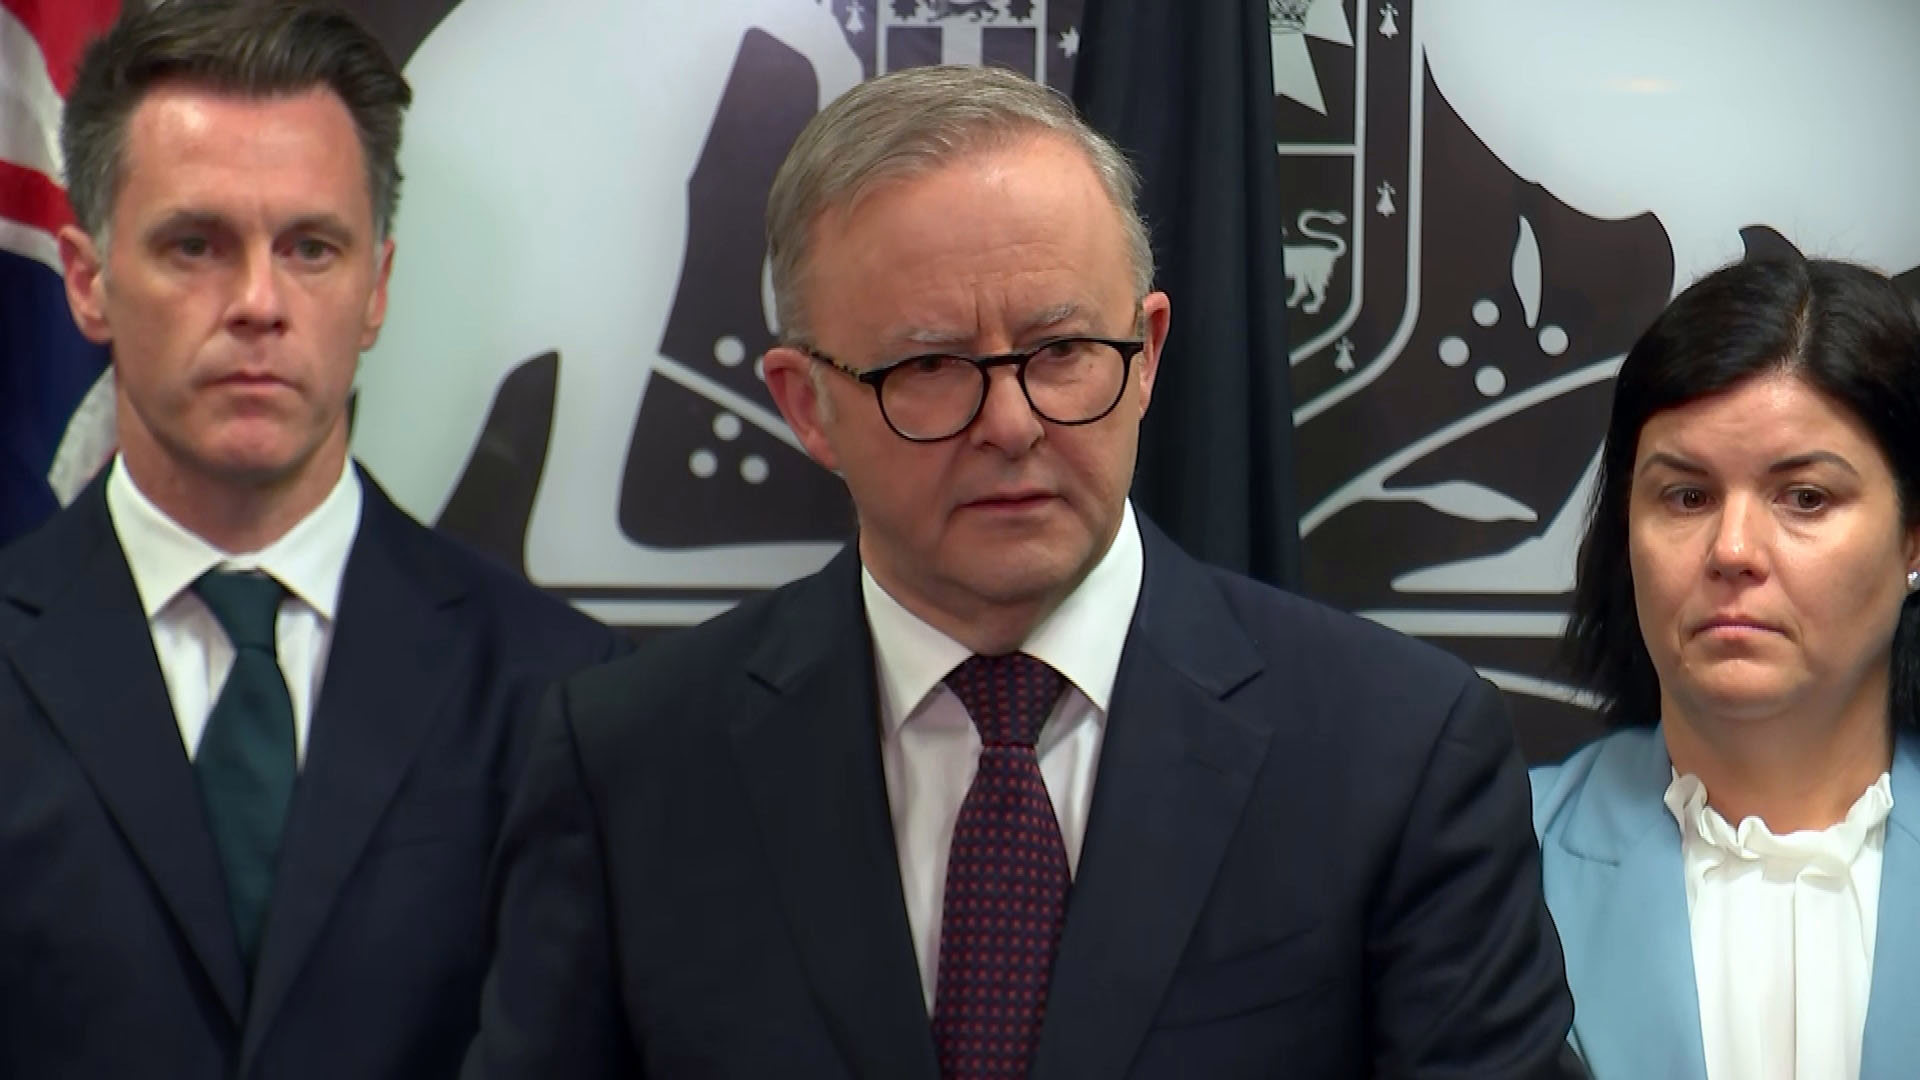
(89, 660)
(1176, 766)
(395, 644)
(1892, 1041)
(1618, 890)
(807, 739)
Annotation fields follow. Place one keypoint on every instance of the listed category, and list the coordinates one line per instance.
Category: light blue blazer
(1610, 855)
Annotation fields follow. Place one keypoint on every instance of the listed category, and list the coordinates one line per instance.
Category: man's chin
(256, 466)
(1018, 578)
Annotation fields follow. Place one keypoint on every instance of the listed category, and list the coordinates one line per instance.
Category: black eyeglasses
(1069, 381)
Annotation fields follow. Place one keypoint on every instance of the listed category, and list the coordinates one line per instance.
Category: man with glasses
(934, 396)
(1012, 787)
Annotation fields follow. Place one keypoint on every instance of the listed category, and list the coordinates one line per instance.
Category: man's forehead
(181, 122)
(182, 131)
(1063, 159)
(984, 302)
(999, 241)
(198, 104)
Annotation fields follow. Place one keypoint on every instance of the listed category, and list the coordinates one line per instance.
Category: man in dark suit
(257, 726)
(1013, 786)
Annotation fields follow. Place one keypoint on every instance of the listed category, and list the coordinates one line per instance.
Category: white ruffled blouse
(1783, 930)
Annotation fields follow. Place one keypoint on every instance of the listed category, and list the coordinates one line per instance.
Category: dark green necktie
(246, 761)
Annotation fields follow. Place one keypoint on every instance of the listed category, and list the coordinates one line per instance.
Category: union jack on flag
(55, 401)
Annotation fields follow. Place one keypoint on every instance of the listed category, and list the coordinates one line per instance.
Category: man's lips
(1009, 500)
(247, 378)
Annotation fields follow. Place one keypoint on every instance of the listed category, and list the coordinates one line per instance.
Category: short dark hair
(1850, 334)
(254, 48)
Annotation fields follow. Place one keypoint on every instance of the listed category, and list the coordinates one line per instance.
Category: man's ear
(86, 281)
(376, 314)
(1156, 318)
(790, 379)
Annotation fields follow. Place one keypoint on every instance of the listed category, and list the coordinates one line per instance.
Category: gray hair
(911, 122)
(245, 47)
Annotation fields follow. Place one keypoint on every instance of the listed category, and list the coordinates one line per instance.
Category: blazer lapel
(1618, 889)
(89, 660)
(1892, 1040)
(807, 739)
(1176, 766)
(395, 646)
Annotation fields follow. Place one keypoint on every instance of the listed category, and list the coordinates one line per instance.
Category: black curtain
(1186, 88)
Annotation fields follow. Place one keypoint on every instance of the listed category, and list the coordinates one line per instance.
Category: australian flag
(47, 370)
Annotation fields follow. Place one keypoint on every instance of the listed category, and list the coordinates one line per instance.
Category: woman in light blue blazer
(1735, 871)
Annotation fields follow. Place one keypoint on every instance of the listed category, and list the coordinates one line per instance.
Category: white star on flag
(1293, 74)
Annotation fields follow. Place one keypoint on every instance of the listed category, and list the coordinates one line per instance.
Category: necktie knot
(1007, 696)
(245, 604)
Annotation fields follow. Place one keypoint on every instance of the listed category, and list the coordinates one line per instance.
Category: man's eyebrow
(176, 220)
(956, 340)
(1048, 318)
(332, 226)
(946, 340)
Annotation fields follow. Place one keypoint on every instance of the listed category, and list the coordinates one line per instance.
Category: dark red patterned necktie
(1006, 895)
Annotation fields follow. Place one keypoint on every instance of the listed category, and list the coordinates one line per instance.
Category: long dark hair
(1846, 331)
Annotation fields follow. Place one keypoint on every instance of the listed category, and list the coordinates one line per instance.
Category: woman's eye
(1808, 499)
(1687, 498)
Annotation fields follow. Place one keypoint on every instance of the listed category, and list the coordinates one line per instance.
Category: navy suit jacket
(117, 954)
(1308, 855)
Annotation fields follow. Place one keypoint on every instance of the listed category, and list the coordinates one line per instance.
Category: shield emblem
(1017, 34)
(1447, 400)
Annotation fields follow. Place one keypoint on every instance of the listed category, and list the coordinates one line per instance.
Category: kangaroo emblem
(1310, 266)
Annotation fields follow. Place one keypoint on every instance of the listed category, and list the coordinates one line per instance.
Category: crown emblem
(1288, 16)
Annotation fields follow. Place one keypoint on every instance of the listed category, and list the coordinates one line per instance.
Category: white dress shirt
(1783, 930)
(194, 651)
(930, 748)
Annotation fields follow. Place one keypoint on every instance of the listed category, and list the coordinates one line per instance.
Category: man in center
(1013, 786)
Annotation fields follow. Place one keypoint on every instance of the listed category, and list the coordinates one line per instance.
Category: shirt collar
(1081, 639)
(1831, 850)
(309, 561)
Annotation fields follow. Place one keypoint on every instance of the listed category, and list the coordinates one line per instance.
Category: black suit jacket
(117, 954)
(1309, 855)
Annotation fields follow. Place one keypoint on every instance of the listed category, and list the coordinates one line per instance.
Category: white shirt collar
(1081, 639)
(1831, 850)
(309, 561)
